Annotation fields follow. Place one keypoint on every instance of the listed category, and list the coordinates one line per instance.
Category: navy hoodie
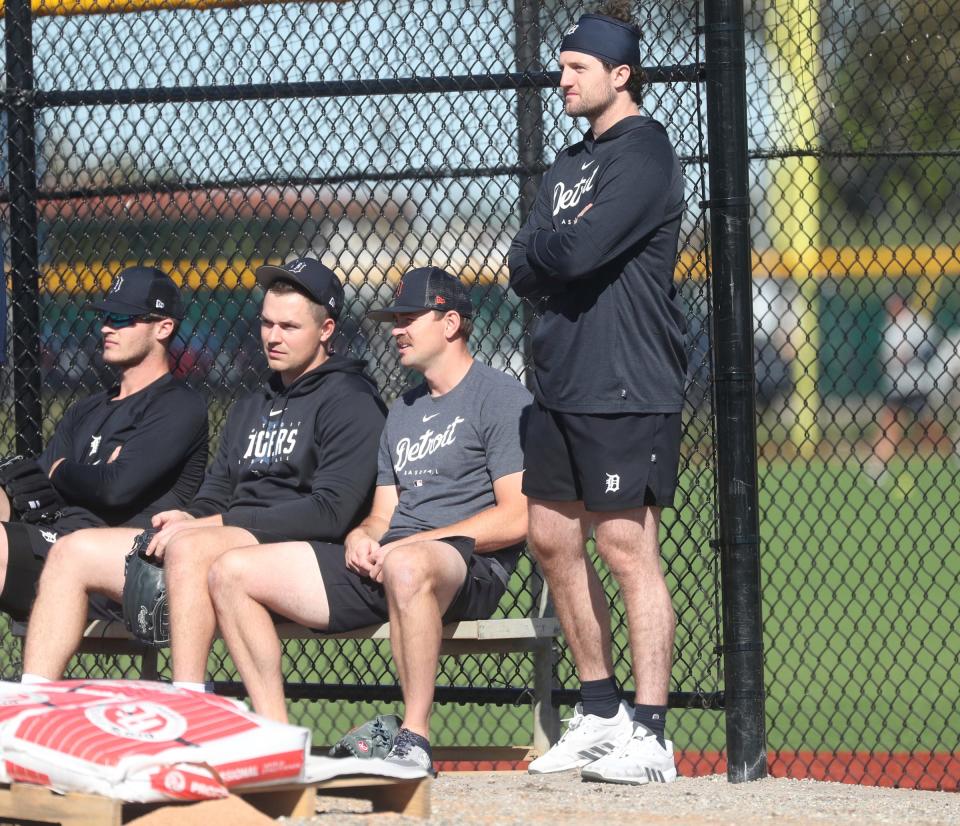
(143, 480)
(298, 462)
(610, 338)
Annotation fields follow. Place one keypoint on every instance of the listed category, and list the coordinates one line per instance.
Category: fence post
(529, 103)
(22, 188)
(527, 40)
(737, 497)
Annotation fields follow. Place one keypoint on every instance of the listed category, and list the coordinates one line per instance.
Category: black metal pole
(417, 85)
(529, 103)
(735, 402)
(527, 39)
(22, 186)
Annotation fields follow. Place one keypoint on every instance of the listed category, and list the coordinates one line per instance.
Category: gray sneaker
(411, 751)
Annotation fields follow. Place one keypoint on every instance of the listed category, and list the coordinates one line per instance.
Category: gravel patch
(515, 798)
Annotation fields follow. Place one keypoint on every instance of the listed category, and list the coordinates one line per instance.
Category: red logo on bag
(145, 721)
(175, 782)
(362, 745)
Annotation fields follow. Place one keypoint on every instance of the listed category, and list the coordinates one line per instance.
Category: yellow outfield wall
(926, 262)
(68, 8)
(860, 262)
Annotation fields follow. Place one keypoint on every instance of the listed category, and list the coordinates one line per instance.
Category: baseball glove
(145, 595)
(33, 498)
(371, 739)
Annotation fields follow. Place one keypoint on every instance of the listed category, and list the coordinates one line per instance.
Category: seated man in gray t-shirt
(447, 522)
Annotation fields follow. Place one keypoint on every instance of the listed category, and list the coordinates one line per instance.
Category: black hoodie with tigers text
(298, 462)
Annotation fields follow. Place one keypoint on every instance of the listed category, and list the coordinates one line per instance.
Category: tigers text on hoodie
(298, 462)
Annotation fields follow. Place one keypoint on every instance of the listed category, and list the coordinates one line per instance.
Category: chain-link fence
(379, 136)
(375, 136)
(855, 164)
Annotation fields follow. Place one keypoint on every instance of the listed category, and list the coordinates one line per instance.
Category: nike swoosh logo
(276, 412)
(428, 418)
(588, 163)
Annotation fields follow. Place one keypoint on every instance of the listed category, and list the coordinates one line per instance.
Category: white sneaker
(639, 761)
(586, 738)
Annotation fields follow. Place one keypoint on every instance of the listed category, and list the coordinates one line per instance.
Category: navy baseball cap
(426, 288)
(141, 291)
(317, 281)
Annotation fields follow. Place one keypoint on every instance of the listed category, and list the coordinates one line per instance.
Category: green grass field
(861, 606)
(860, 610)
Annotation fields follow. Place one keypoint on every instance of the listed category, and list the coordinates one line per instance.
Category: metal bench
(535, 634)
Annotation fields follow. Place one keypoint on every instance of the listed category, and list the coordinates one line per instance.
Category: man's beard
(590, 109)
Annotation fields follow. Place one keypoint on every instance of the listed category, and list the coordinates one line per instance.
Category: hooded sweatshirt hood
(309, 381)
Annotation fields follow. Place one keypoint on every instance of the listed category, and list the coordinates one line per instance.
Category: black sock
(600, 697)
(653, 718)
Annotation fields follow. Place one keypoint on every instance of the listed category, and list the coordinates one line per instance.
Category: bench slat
(523, 628)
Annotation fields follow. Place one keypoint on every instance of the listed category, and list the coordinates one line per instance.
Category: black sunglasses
(118, 321)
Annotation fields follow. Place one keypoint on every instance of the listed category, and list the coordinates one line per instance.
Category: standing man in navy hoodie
(603, 439)
(103, 460)
(296, 460)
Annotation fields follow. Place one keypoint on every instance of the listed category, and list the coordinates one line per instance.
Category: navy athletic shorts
(610, 462)
(356, 601)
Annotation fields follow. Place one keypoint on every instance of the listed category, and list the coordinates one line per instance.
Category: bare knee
(227, 578)
(182, 559)
(66, 554)
(556, 530)
(633, 562)
(406, 573)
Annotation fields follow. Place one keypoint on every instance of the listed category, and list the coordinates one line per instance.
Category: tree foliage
(892, 117)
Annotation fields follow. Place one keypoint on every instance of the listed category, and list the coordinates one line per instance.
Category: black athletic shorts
(27, 549)
(610, 462)
(356, 601)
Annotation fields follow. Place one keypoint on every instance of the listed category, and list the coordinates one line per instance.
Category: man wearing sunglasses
(118, 457)
(297, 460)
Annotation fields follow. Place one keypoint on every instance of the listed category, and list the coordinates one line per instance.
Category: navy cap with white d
(316, 280)
(142, 291)
(426, 288)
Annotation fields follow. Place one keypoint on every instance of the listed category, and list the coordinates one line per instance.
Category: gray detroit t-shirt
(444, 453)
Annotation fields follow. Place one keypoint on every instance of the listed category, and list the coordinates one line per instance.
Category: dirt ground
(516, 798)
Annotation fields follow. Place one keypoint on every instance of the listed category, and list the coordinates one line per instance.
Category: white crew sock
(33, 679)
(200, 688)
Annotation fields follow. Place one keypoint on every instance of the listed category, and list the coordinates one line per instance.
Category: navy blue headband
(610, 40)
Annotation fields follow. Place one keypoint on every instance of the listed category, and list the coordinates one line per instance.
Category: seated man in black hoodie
(102, 460)
(296, 460)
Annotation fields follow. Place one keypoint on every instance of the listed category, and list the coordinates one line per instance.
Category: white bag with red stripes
(141, 741)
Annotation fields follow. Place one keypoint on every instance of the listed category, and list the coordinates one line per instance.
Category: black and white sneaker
(411, 751)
